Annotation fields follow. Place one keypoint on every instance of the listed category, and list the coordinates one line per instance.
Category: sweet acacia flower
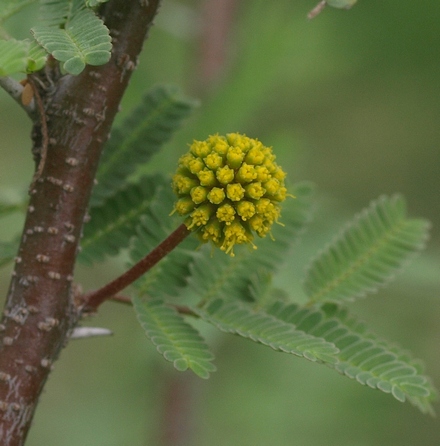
(229, 187)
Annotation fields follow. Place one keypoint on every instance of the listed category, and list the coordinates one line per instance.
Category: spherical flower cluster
(229, 187)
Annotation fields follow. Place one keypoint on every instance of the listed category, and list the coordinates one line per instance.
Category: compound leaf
(84, 40)
(241, 319)
(113, 222)
(367, 254)
(174, 338)
(362, 356)
(140, 136)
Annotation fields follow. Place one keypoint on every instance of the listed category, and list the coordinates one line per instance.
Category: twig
(93, 299)
(15, 89)
(121, 299)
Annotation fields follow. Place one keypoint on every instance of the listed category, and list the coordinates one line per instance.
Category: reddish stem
(95, 298)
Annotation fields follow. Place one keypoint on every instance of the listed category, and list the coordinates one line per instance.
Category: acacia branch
(40, 310)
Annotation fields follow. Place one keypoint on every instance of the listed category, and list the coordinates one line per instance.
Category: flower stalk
(94, 299)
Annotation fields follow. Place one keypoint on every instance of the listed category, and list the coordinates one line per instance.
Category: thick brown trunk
(40, 309)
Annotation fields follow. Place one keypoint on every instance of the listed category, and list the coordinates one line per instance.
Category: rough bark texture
(40, 310)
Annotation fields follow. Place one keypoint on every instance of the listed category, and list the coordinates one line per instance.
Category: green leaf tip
(369, 251)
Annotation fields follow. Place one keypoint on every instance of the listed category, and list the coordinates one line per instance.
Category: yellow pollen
(235, 192)
(225, 175)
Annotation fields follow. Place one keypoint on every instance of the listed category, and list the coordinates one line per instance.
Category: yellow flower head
(229, 187)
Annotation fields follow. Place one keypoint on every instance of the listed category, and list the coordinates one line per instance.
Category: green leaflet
(174, 338)
(140, 136)
(113, 223)
(20, 56)
(213, 274)
(362, 356)
(36, 57)
(84, 40)
(367, 254)
(240, 319)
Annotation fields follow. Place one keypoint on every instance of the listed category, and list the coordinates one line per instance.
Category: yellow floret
(207, 177)
(246, 210)
(225, 213)
(272, 186)
(235, 192)
(246, 173)
(198, 194)
(216, 195)
(184, 206)
(225, 175)
(254, 190)
(200, 216)
(235, 157)
(213, 161)
(183, 184)
(196, 165)
(200, 148)
(234, 234)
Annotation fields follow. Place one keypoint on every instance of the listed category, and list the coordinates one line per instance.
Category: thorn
(89, 332)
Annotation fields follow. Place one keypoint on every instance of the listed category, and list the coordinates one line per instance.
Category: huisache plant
(87, 201)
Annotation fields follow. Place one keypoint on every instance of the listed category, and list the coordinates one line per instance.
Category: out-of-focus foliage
(351, 102)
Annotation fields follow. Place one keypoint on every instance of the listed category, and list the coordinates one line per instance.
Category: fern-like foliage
(83, 40)
(113, 223)
(20, 56)
(57, 13)
(367, 254)
(140, 136)
(362, 356)
(239, 318)
(173, 337)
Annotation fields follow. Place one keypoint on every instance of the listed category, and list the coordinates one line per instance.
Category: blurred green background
(350, 101)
